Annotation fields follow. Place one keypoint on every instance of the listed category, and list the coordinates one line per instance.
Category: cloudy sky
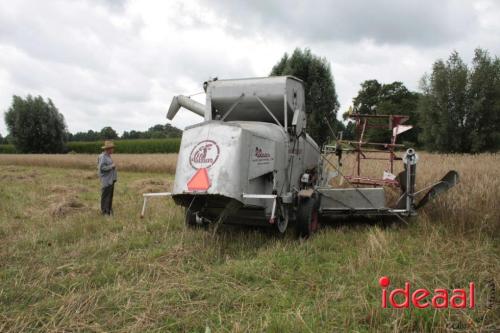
(118, 63)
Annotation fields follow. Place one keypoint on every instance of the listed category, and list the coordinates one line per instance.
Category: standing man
(107, 173)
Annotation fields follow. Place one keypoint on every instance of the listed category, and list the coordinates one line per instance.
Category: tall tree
(368, 97)
(108, 133)
(484, 93)
(90, 135)
(460, 109)
(132, 135)
(163, 131)
(321, 98)
(35, 125)
(156, 132)
(391, 98)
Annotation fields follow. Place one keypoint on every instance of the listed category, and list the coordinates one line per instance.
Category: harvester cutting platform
(252, 162)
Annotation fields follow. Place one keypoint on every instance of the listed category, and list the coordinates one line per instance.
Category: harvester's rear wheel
(307, 217)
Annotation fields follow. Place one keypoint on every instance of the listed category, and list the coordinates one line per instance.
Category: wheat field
(125, 162)
(64, 268)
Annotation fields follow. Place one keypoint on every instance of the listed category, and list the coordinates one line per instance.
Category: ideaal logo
(423, 298)
(204, 154)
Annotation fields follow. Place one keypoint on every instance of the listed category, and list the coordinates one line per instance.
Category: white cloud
(119, 63)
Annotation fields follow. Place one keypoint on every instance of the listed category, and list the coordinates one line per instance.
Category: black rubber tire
(307, 217)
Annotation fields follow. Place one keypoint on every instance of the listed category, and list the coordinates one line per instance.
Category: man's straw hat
(108, 144)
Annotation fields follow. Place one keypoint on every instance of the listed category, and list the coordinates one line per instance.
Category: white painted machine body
(249, 144)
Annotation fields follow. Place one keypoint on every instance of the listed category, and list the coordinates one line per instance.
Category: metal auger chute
(447, 182)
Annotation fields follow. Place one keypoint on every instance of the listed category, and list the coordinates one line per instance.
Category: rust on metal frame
(364, 122)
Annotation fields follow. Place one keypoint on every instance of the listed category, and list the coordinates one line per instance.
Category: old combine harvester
(252, 162)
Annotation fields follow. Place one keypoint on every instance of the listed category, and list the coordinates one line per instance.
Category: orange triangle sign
(200, 181)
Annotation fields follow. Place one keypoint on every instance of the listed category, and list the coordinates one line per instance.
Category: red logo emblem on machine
(204, 154)
(261, 156)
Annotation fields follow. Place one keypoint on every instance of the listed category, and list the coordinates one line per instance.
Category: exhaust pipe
(187, 103)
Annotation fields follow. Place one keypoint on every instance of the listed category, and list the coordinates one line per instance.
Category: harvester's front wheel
(307, 217)
(282, 220)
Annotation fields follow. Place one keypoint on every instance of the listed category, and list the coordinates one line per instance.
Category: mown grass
(65, 268)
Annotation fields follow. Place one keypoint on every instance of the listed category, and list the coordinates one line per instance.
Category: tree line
(456, 110)
(108, 133)
(460, 105)
(35, 125)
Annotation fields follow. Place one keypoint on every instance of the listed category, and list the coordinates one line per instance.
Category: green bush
(140, 146)
(7, 149)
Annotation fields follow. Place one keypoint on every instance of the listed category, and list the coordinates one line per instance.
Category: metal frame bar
(268, 111)
(232, 107)
(264, 196)
(285, 109)
(371, 181)
(409, 195)
(376, 158)
(428, 187)
(259, 196)
(362, 125)
(372, 143)
(147, 195)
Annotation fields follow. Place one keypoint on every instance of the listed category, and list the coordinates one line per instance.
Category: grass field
(63, 267)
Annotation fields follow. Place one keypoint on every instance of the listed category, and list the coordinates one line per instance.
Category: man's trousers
(107, 199)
